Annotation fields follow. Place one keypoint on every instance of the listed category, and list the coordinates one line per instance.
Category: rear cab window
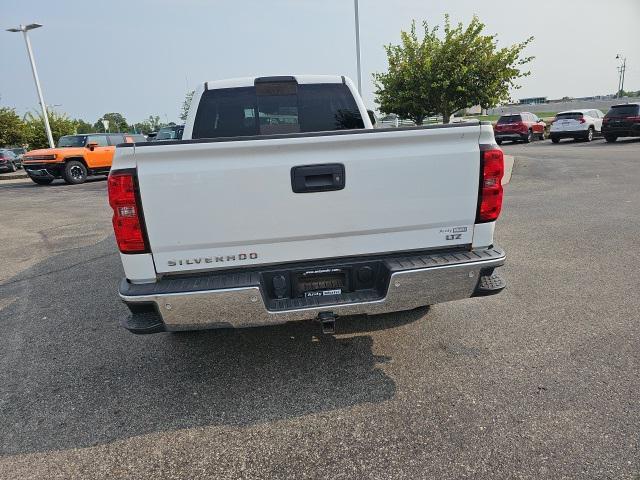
(510, 119)
(276, 107)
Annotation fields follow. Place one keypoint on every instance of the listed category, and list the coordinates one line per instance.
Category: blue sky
(139, 57)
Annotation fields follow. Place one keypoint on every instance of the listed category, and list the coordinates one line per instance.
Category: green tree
(628, 93)
(117, 123)
(12, 130)
(151, 124)
(154, 122)
(142, 127)
(35, 134)
(441, 74)
(83, 127)
(186, 105)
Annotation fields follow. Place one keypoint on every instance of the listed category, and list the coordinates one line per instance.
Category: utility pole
(355, 4)
(622, 68)
(25, 29)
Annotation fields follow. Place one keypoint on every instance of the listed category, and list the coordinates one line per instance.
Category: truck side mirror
(92, 145)
(372, 117)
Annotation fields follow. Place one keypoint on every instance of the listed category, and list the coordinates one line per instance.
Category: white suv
(576, 124)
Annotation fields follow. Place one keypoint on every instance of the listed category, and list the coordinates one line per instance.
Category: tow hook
(328, 322)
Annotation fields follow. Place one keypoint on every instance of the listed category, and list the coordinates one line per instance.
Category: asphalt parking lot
(541, 381)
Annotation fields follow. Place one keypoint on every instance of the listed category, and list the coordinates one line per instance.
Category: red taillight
(490, 192)
(634, 119)
(582, 120)
(127, 215)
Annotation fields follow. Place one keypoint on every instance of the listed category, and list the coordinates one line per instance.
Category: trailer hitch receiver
(328, 322)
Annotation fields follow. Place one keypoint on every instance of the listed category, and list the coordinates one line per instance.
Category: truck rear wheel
(610, 138)
(74, 172)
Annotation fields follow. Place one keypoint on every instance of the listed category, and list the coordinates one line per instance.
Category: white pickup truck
(282, 202)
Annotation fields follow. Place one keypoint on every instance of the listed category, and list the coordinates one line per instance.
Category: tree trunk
(446, 117)
(418, 120)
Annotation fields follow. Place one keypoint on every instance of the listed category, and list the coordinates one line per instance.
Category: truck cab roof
(251, 81)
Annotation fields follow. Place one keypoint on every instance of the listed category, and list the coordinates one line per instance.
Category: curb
(12, 176)
(508, 168)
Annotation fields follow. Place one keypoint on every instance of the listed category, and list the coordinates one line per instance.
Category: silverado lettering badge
(216, 259)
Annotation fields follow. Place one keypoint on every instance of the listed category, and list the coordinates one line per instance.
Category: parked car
(19, 152)
(76, 157)
(311, 216)
(576, 124)
(173, 132)
(519, 127)
(622, 121)
(9, 162)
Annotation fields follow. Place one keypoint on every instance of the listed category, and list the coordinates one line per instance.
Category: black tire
(499, 142)
(555, 139)
(529, 137)
(589, 136)
(12, 167)
(41, 181)
(74, 172)
(610, 138)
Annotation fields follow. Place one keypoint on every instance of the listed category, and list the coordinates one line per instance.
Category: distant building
(596, 97)
(532, 100)
(476, 110)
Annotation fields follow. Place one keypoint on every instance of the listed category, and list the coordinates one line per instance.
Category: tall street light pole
(355, 4)
(25, 29)
(621, 69)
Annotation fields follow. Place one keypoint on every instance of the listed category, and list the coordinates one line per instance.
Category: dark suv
(621, 121)
(9, 161)
(172, 132)
(522, 127)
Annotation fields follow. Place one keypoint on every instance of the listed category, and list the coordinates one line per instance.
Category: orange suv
(76, 157)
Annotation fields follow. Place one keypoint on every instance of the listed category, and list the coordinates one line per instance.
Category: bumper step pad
(143, 322)
(490, 285)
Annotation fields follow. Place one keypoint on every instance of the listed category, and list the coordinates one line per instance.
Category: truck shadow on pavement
(72, 377)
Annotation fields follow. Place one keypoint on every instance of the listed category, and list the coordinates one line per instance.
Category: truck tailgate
(224, 204)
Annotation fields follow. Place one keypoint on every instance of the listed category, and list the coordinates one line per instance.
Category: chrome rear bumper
(414, 281)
